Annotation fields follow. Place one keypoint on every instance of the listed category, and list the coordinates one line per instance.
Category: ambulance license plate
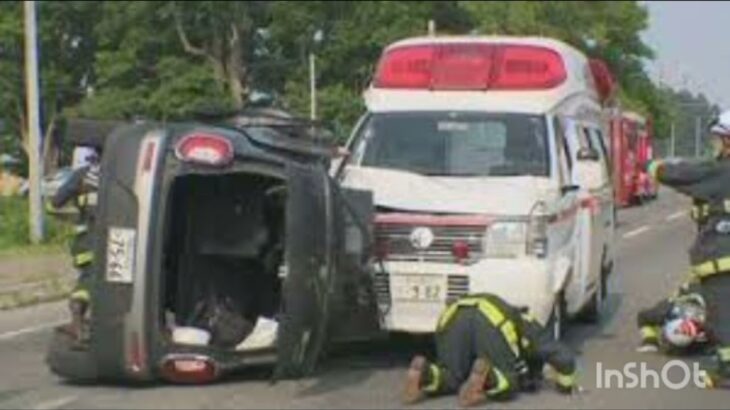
(419, 288)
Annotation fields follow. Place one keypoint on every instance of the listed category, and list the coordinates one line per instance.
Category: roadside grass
(15, 230)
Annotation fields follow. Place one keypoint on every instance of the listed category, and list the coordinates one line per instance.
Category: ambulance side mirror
(339, 156)
(566, 189)
(588, 154)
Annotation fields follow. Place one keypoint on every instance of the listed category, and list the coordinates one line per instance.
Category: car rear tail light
(136, 358)
(187, 369)
(470, 66)
(460, 250)
(149, 155)
(206, 149)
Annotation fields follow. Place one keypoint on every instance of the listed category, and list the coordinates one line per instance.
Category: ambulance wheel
(70, 363)
(556, 324)
(595, 309)
(596, 306)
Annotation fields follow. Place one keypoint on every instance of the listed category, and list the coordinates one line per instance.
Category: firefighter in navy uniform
(488, 349)
(708, 183)
(81, 188)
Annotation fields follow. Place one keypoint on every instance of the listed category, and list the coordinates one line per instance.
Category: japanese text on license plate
(120, 255)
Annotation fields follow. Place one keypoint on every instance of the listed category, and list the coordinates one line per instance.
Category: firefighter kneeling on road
(81, 187)
(488, 349)
(707, 182)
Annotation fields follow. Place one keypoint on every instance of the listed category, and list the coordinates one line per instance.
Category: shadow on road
(578, 333)
(353, 363)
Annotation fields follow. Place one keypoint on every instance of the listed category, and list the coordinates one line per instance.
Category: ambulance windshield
(455, 144)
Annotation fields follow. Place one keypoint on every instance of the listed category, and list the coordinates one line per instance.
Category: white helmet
(721, 124)
(681, 332)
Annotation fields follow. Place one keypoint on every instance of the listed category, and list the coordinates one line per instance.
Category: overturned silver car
(209, 233)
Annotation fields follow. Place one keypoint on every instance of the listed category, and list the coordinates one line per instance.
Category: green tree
(65, 47)
(142, 69)
(353, 36)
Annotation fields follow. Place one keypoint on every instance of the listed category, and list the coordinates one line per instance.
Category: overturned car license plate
(419, 288)
(120, 255)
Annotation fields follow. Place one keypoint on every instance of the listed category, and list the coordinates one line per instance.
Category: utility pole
(698, 135)
(33, 125)
(673, 136)
(432, 28)
(312, 87)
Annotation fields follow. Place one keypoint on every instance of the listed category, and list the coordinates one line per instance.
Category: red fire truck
(632, 148)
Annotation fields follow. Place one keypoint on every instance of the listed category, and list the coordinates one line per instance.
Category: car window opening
(224, 251)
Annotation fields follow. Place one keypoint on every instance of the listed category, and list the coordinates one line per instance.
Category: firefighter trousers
(468, 336)
(716, 289)
(83, 256)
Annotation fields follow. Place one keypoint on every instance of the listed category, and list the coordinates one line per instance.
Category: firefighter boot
(416, 378)
(473, 392)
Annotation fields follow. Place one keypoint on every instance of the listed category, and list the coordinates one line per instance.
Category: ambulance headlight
(505, 240)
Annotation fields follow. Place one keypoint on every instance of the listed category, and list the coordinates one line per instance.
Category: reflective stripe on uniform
(435, 373)
(712, 267)
(653, 169)
(724, 354)
(81, 294)
(492, 313)
(83, 258)
(700, 211)
(565, 380)
(649, 332)
(502, 384)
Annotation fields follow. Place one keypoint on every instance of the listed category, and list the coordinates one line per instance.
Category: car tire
(74, 365)
(556, 324)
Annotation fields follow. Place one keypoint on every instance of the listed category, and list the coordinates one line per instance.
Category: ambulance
(488, 163)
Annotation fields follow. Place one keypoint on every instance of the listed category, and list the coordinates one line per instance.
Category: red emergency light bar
(605, 83)
(470, 66)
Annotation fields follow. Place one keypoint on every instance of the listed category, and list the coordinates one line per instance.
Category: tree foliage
(167, 59)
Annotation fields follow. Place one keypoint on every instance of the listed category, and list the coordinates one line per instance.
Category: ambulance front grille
(396, 239)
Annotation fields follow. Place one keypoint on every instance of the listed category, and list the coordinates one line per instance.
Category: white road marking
(676, 215)
(27, 330)
(54, 404)
(637, 232)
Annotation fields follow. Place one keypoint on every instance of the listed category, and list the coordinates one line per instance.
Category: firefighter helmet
(681, 332)
(721, 125)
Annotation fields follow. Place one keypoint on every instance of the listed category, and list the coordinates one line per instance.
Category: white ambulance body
(470, 147)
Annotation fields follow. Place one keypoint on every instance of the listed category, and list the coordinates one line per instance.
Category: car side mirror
(588, 154)
(566, 189)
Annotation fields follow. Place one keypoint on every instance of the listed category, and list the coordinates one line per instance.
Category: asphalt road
(651, 260)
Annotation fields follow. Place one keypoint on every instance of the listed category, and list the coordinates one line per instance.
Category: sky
(691, 40)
